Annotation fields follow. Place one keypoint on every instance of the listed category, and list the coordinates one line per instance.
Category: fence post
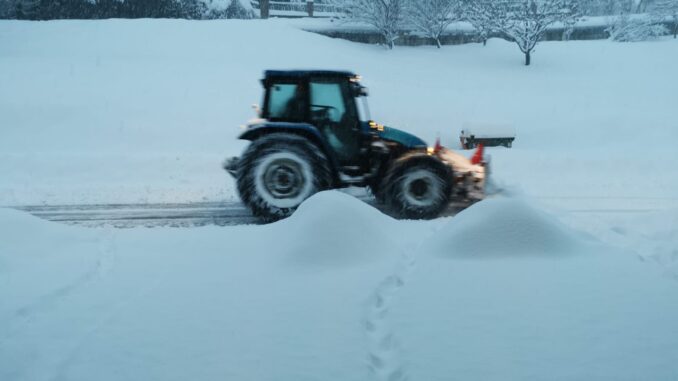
(264, 8)
(309, 8)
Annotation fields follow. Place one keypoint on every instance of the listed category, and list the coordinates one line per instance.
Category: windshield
(363, 108)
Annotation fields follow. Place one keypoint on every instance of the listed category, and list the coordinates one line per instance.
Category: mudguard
(255, 130)
(264, 127)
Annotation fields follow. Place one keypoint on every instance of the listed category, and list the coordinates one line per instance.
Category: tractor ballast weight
(313, 134)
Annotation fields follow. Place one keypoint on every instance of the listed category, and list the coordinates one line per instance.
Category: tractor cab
(326, 101)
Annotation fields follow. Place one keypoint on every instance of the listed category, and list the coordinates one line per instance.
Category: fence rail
(299, 8)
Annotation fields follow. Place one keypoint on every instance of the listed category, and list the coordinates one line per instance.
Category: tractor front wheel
(417, 188)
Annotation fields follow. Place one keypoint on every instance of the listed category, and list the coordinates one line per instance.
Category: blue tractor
(313, 134)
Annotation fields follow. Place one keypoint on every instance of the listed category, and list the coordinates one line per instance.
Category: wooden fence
(293, 8)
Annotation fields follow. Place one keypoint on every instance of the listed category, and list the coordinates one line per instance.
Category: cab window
(327, 101)
(334, 115)
(286, 101)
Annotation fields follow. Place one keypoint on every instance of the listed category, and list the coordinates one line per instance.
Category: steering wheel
(324, 112)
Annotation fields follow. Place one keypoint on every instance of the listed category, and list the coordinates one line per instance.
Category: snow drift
(503, 227)
(334, 228)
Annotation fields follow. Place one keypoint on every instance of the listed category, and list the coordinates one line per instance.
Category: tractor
(313, 133)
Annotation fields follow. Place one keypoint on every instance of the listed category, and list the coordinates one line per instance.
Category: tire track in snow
(166, 215)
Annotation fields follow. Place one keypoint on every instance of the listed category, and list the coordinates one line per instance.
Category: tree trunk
(527, 58)
(263, 8)
(484, 41)
(438, 42)
(309, 8)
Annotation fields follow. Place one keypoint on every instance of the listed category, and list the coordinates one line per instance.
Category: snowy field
(569, 274)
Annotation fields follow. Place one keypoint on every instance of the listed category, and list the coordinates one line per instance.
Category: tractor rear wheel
(278, 172)
(417, 187)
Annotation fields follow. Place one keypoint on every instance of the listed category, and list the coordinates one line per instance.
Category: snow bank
(503, 227)
(333, 228)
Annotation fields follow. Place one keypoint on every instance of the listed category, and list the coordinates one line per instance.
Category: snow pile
(333, 228)
(503, 227)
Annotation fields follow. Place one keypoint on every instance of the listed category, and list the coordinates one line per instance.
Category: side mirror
(359, 91)
(257, 109)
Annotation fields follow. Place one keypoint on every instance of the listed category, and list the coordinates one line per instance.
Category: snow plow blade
(470, 175)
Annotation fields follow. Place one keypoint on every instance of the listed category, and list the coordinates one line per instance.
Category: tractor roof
(275, 74)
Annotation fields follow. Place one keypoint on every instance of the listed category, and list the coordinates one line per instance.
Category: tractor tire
(417, 187)
(278, 172)
(375, 190)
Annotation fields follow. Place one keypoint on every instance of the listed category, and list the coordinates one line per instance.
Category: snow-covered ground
(569, 274)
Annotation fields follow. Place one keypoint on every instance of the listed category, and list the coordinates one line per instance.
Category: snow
(570, 273)
(334, 291)
(208, 303)
(503, 227)
(488, 130)
(592, 314)
(335, 219)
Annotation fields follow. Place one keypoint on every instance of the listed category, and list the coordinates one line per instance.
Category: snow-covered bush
(432, 17)
(228, 9)
(667, 11)
(614, 7)
(624, 28)
(386, 16)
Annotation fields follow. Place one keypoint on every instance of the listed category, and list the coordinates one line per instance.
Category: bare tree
(642, 6)
(527, 20)
(387, 16)
(486, 16)
(432, 17)
(568, 27)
